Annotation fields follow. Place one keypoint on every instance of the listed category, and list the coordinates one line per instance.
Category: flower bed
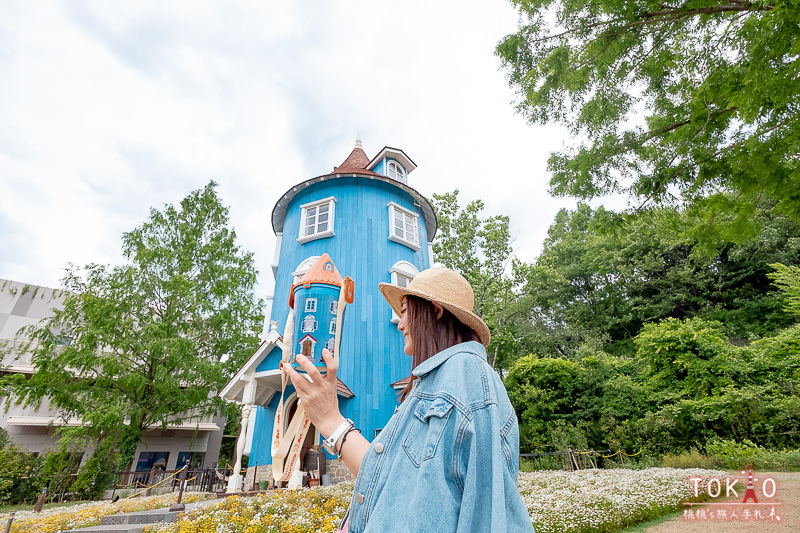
(577, 502)
(605, 500)
(283, 511)
(57, 519)
(585, 501)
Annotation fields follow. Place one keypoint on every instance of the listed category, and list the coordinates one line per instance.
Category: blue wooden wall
(372, 354)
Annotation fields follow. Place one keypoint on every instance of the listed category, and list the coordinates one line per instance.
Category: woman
(448, 459)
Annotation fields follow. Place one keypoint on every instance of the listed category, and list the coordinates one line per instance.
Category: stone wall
(339, 472)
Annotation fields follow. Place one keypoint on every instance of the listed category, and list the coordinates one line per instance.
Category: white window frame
(401, 269)
(332, 329)
(334, 307)
(307, 323)
(395, 208)
(395, 171)
(311, 305)
(331, 202)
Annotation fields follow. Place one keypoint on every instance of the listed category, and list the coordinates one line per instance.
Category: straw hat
(445, 287)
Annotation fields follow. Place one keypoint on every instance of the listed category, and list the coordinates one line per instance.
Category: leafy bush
(59, 469)
(734, 455)
(14, 464)
(98, 472)
(31, 484)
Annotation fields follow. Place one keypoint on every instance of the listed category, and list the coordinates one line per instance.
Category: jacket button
(378, 447)
(360, 498)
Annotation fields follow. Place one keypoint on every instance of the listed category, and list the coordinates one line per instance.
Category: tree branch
(663, 15)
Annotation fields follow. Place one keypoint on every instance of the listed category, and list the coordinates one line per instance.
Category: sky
(109, 109)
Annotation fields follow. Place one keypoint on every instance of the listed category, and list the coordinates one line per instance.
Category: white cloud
(108, 109)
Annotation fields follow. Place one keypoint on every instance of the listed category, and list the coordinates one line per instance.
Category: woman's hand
(318, 396)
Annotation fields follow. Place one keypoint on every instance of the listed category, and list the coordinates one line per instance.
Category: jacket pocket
(426, 427)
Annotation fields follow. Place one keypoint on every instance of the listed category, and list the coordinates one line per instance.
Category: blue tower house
(374, 228)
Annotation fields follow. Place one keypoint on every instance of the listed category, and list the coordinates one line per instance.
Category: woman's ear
(439, 310)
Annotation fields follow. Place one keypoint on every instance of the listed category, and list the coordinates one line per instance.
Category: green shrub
(14, 464)
(778, 460)
(735, 455)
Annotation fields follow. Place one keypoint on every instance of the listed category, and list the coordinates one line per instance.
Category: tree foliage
(599, 283)
(693, 102)
(637, 340)
(687, 387)
(479, 247)
(151, 341)
(14, 464)
(788, 279)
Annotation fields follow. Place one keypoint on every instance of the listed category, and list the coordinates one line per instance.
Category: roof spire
(358, 141)
(357, 161)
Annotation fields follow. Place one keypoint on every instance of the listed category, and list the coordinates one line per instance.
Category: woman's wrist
(329, 425)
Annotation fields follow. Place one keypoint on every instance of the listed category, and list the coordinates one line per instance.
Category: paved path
(788, 493)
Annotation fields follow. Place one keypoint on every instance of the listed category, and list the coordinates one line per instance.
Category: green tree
(694, 101)
(150, 342)
(687, 358)
(479, 247)
(598, 282)
(787, 278)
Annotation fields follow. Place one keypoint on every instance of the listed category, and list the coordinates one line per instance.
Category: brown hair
(431, 335)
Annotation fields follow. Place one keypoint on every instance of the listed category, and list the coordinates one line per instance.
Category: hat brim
(394, 296)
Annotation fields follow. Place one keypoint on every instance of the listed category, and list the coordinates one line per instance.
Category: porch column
(248, 396)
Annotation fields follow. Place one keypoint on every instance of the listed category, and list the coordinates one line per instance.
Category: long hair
(431, 335)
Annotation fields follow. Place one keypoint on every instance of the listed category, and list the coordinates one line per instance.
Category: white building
(33, 429)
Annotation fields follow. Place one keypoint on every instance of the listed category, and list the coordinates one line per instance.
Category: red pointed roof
(320, 272)
(356, 162)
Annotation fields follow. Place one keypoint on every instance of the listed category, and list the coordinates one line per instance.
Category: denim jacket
(449, 457)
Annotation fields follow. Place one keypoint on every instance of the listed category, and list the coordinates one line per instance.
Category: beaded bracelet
(344, 438)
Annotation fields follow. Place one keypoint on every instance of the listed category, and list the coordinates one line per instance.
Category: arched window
(401, 274)
(303, 267)
(395, 171)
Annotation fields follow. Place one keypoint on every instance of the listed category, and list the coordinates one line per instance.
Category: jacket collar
(434, 362)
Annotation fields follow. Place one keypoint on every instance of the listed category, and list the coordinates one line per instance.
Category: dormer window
(395, 171)
(403, 226)
(316, 220)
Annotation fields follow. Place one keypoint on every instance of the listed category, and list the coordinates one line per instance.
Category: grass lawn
(643, 526)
